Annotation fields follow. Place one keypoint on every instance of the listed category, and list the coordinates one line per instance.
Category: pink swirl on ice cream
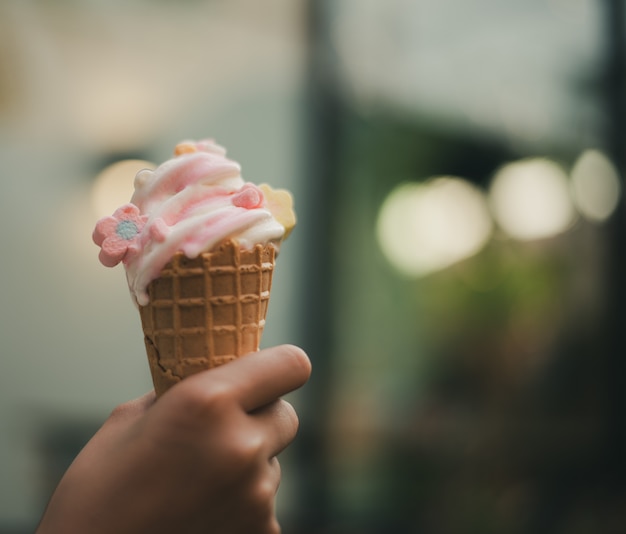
(191, 203)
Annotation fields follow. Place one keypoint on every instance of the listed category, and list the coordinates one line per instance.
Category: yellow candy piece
(280, 203)
(185, 148)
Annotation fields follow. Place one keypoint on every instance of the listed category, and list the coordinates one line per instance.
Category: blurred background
(455, 275)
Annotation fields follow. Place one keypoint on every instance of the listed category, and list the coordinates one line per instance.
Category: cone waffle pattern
(206, 311)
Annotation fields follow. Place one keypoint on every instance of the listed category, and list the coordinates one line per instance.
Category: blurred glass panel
(473, 396)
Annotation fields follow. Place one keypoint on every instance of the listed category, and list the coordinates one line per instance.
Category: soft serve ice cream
(190, 204)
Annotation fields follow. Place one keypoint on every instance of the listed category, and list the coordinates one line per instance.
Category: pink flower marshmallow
(117, 235)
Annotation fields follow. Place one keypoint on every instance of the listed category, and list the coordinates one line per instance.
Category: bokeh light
(113, 187)
(531, 199)
(425, 227)
(595, 185)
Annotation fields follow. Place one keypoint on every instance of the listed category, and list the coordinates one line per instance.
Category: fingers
(259, 378)
(279, 423)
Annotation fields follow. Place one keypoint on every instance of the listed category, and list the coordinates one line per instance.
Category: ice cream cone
(206, 311)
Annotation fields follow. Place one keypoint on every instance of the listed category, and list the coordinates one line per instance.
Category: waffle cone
(206, 311)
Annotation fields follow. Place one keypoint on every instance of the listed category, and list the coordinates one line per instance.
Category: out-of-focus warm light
(530, 199)
(423, 228)
(595, 185)
(113, 187)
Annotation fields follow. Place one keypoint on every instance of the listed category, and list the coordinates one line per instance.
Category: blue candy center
(126, 230)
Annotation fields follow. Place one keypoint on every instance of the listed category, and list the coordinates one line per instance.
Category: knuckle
(217, 396)
(245, 455)
(212, 398)
(247, 450)
(264, 494)
(196, 407)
